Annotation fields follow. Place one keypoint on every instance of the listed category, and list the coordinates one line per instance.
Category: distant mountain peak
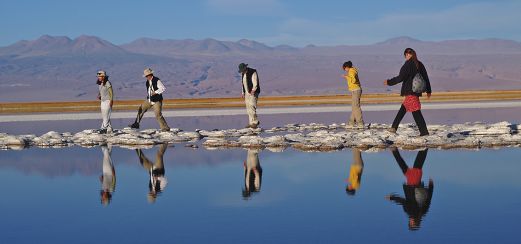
(399, 40)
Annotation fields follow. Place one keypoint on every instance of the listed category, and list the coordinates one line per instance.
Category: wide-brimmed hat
(147, 72)
(101, 73)
(242, 67)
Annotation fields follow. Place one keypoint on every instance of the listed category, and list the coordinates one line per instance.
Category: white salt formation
(306, 137)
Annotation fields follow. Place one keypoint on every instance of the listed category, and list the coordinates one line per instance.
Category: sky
(273, 22)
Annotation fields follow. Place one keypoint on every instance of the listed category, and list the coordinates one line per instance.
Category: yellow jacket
(353, 83)
(355, 174)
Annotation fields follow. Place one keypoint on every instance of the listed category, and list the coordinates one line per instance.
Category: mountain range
(58, 68)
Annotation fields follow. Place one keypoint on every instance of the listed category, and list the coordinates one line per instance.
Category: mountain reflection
(417, 199)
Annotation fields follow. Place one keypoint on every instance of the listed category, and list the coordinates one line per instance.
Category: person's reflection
(108, 177)
(252, 174)
(156, 171)
(417, 197)
(355, 172)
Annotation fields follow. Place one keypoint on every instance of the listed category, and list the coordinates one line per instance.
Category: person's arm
(397, 199)
(255, 81)
(160, 87)
(111, 94)
(399, 78)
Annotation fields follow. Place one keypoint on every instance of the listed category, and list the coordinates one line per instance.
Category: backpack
(418, 83)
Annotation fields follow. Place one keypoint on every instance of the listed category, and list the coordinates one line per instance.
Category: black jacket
(407, 73)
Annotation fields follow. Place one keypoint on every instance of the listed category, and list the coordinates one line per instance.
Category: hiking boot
(254, 126)
(165, 129)
(424, 134)
(134, 126)
(247, 127)
(102, 131)
(392, 130)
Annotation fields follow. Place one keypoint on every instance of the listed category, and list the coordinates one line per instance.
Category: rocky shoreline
(304, 137)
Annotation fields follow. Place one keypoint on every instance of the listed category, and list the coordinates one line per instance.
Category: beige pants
(251, 108)
(356, 111)
(157, 106)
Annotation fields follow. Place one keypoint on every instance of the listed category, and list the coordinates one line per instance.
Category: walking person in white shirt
(250, 93)
(155, 89)
(106, 95)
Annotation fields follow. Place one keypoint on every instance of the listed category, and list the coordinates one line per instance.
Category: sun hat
(242, 67)
(147, 72)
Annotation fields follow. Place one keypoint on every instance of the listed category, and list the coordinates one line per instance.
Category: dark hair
(414, 56)
(105, 79)
(350, 192)
(347, 64)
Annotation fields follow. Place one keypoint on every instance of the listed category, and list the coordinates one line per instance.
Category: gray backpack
(418, 83)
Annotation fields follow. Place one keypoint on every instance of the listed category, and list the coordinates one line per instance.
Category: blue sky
(273, 22)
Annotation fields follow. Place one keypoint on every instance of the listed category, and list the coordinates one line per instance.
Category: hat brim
(148, 74)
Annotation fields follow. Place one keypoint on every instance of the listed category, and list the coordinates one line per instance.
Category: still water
(168, 194)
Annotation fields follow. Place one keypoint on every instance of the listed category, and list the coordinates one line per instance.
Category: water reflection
(156, 171)
(355, 172)
(417, 198)
(252, 174)
(108, 177)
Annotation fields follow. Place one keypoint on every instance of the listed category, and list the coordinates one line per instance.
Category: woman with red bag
(411, 103)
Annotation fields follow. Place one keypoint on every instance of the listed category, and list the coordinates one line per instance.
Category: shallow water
(55, 195)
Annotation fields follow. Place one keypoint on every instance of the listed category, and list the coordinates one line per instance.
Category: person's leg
(400, 161)
(399, 117)
(142, 110)
(159, 156)
(357, 157)
(106, 111)
(420, 158)
(104, 114)
(251, 109)
(158, 106)
(420, 122)
(357, 110)
(254, 100)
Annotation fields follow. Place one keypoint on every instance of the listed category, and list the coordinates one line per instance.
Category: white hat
(148, 71)
(101, 73)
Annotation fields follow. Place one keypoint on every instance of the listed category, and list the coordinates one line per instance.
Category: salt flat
(261, 111)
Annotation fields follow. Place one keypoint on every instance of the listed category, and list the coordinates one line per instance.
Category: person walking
(417, 199)
(411, 103)
(155, 90)
(250, 93)
(353, 84)
(106, 96)
(156, 172)
(108, 177)
(252, 174)
(355, 172)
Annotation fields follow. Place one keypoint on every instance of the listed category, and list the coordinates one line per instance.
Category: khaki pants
(157, 106)
(356, 111)
(251, 108)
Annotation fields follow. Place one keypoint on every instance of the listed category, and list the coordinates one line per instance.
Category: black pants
(418, 118)
(418, 162)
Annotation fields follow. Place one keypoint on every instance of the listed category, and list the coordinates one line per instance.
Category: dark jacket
(249, 74)
(417, 200)
(407, 73)
(155, 97)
